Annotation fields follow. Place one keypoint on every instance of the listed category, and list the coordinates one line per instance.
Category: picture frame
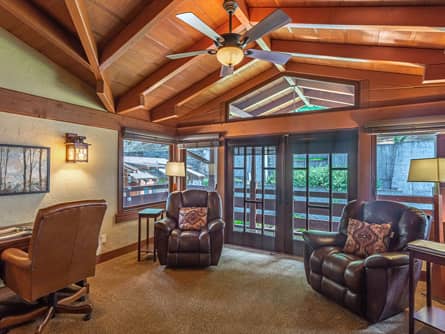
(24, 169)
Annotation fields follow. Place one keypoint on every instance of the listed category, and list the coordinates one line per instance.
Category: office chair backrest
(64, 244)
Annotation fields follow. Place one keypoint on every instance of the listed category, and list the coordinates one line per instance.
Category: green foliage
(319, 178)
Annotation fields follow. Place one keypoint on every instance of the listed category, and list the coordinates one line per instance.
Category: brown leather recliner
(62, 252)
(375, 287)
(190, 248)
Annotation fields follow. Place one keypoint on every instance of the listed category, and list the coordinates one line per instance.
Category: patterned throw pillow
(365, 239)
(192, 218)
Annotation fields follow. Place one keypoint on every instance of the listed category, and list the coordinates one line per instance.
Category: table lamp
(175, 170)
(431, 170)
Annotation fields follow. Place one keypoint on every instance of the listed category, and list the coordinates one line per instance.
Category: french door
(253, 194)
(278, 187)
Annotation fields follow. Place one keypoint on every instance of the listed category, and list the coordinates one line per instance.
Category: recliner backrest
(194, 198)
(64, 244)
(407, 223)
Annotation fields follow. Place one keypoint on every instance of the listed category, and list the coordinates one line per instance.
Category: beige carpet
(249, 292)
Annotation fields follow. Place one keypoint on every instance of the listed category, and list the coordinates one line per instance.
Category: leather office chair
(375, 287)
(190, 248)
(62, 252)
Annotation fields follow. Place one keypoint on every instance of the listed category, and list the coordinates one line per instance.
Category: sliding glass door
(323, 171)
(285, 185)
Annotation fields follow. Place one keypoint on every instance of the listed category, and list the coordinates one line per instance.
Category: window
(393, 160)
(289, 95)
(201, 164)
(144, 179)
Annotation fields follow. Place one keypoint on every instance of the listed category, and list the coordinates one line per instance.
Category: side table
(147, 213)
(431, 252)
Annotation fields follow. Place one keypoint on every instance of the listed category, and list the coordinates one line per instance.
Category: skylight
(291, 94)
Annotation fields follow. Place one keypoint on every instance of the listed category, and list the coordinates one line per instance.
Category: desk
(147, 213)
(431, 252)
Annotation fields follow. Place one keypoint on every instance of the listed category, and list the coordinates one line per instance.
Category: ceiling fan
(230, 47)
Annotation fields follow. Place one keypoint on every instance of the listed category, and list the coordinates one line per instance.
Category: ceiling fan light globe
(230, 55)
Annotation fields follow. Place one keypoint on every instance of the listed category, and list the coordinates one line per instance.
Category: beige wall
(96, 179)
(26, 70)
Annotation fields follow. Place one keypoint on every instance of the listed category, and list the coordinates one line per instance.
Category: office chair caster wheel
(86, 317)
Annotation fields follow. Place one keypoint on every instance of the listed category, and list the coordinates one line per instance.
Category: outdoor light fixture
(76, 148)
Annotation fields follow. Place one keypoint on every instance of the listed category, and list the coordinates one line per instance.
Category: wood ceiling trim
(79, 16)
(243, 15)
(262, 96)
(425, 16)
(172, 105)
(154, 12)
(131, 99)
(367, 52)
(33, 18)
(434, 73)
(231, 94)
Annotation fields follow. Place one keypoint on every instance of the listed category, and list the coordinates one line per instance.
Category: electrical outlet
(103, 238)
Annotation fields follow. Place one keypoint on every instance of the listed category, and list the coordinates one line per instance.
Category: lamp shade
(175, 169)
(427, 170)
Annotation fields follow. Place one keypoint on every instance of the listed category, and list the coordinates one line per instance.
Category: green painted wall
(26, 70)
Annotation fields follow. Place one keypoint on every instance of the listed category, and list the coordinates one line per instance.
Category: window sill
(132, 213)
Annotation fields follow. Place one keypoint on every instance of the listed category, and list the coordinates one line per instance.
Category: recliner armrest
(165, 225)
(216, 225)
(317, 239)
(16, 257)
(386, 260)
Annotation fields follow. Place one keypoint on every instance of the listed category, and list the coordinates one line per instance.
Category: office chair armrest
(216, 225)
(316, 239)
(16, 257)
(165, 225)
(387, 260)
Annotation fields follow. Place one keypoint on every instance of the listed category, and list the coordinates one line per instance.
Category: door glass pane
(254, 190)
(339, 160)
(299, 160)
(319, 179)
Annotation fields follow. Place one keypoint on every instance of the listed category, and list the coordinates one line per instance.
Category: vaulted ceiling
(119, 47)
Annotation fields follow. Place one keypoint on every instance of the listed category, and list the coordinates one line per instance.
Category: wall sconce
(76, 148)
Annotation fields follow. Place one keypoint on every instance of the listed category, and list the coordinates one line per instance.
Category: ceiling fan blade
(274, 21)
(279, 58)
(226, 70)
(196, 23)
(188, 54)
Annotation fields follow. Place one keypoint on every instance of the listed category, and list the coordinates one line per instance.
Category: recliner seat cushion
(335, 264)
(189, 241)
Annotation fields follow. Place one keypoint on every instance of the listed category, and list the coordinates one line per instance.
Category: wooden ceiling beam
(264, 95)
(35, 19)
(344, 99)
(276, 104)
(425, 16)
(326, 86)
(234, 92)
(367, 52)
(150, 15)
(172, 105)
(327, 104)
(243, 14)
(79, 16)
(434, 73)
(132, 98)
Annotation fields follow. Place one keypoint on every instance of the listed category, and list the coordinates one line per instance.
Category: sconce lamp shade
(76, 148)
(427, 170)
(175, 169)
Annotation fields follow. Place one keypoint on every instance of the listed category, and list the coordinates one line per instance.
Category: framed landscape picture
(24, 169)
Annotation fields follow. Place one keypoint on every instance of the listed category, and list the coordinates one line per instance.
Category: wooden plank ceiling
(119, 47)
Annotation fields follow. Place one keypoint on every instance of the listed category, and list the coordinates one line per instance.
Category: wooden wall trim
(35, 106)
(317, 121)
(120, 251)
